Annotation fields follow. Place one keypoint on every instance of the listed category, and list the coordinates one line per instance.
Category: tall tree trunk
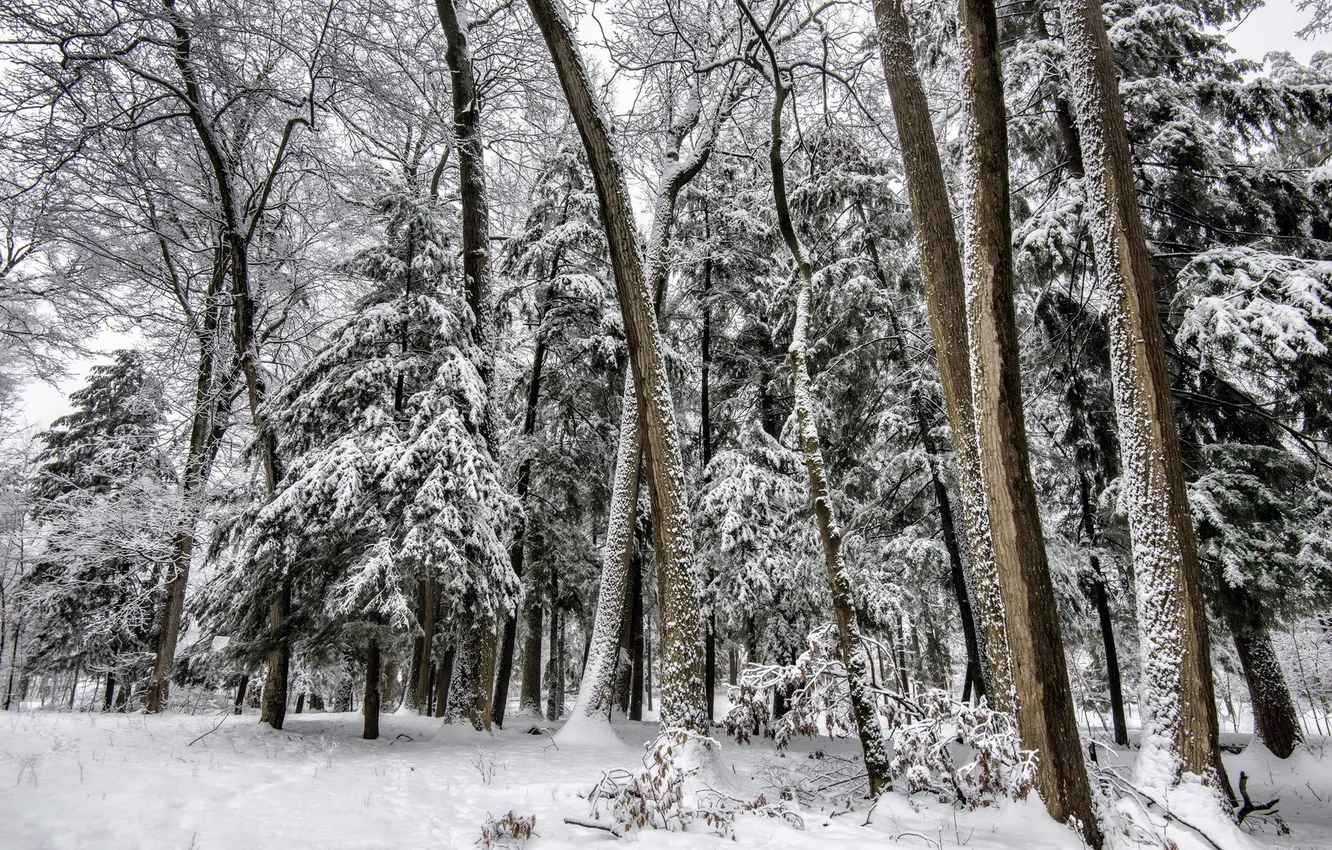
(1275, 719)
(854, 658)
(595, 693)
(465, 689)
(241, 688)
(517, 548)
(945, 294)
(443, 679)
(1102, 604)
(529, 696)
(947, 521)
(555, 664)
(682, 689)
(1118, 721)
(423, 665)
(705, 441)
(472, 687)
(1180, 727)
(109, 699)
(1044, 701)
(636, 639)
(370, 705)
(207, 425)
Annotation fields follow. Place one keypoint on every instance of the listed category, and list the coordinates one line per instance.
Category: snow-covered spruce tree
(568, 394)
(102, 497)
(390, 481)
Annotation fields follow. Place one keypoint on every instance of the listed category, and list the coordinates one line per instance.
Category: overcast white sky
(1270, 28)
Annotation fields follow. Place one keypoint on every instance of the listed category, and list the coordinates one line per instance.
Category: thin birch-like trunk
(855, 660)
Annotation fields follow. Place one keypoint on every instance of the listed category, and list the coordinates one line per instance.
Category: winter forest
(784, 423)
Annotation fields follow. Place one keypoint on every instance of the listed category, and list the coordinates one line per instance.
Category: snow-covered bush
(926, 733)
(671, 794)
(510, 832)
(964, 754)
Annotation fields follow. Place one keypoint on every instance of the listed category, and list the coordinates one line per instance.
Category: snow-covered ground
(134, 781)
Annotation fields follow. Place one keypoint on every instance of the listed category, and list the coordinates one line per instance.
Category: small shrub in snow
(510, 832)
(815, 690)
(661, 796)
(925, 731)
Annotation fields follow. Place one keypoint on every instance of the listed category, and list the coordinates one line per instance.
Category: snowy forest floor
(134, 781)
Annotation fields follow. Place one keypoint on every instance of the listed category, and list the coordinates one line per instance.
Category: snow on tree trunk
(682, 687)
(207, 424)
(1275, 720)
(941, 274)
(854, 657)
(595, 694)
(1179, 719)
(1043, 699)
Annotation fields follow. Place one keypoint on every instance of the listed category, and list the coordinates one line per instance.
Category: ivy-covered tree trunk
(854, 658)
(1044, 701)
(1275, 718)
(1180, 728)
(945, 295)
(682, 686)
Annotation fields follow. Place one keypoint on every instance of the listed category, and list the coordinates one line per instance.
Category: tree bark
(109, 699)
(682, 687)
(945, 294)
(529, 698)
(472, 686)
(1275, 719)
(207, 425)
(555, 664)
(947, 521)
(1180, 726)
(241, 688)
(854, 658)
(443, 679)
(1044, 701)
(423, 663)
(370, 705)
(517, 549)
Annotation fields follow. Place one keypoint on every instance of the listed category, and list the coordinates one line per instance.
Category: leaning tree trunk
(945, 295)
(595, 693)
(471, 689)
(1180, 727)
(207, 425)
(1102, 605)
(854, 658)
(959, 579)
(1275, 718)
(682, 686)
(1046, 719)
